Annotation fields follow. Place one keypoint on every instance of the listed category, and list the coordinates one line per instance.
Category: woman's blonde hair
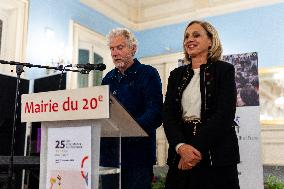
(215, 52)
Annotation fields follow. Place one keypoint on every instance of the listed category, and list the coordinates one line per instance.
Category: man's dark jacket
(139, 90)
(217, 136)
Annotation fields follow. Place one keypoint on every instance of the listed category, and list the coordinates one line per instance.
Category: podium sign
(76, 104)
(69, 157)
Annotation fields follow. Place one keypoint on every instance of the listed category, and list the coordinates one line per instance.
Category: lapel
(186, 76)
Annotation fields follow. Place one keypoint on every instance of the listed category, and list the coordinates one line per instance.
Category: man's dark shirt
(139, 90)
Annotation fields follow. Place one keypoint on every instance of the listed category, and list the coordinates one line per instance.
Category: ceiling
(144, 14)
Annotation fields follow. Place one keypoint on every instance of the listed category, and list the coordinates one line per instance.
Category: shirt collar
(203, 66)
(132, 69)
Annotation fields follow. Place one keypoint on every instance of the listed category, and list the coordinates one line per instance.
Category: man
(138, 88)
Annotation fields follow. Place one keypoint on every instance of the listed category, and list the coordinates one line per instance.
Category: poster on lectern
(69, 159)
(247, 118)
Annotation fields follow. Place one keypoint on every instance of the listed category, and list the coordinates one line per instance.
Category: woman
(199, 112)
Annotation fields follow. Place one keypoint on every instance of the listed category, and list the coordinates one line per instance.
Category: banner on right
(247, 118)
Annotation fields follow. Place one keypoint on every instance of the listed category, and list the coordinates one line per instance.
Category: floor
(277, 171)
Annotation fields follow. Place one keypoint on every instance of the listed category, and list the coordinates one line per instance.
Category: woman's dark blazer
(217, 136)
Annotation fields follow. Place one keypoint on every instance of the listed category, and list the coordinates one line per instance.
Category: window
(96, 76)
(91, 48)
(83, 58)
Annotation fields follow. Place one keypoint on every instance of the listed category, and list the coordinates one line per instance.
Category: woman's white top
(191, 97)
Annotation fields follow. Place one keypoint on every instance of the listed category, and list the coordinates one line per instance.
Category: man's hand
(190, 156)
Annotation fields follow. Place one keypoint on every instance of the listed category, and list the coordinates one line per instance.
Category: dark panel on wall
(50, 83)
(7, 100)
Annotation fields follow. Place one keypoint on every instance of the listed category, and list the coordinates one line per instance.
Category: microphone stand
(19, 71)
(11, 178)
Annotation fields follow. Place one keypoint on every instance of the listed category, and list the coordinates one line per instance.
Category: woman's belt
(195, 123)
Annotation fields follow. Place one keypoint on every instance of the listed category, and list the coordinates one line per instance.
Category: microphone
(89, 66)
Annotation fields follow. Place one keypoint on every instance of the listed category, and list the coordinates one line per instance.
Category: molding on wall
(272, 145)
(15, 29)
(206, 12)
(267, 123)
(166, 58)
(274, 69)
(134, 21)
(271, 89)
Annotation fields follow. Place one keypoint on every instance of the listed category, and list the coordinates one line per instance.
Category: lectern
(73, 122)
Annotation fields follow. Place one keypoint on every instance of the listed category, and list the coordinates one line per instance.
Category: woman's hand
(190, 156)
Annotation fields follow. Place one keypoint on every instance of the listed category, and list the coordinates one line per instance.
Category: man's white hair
(127, 34)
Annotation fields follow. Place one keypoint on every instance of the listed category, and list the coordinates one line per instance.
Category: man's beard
(120, 64)
(123, 62)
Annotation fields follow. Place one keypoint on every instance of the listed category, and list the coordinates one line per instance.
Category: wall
(251, 30)
(55, 15)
